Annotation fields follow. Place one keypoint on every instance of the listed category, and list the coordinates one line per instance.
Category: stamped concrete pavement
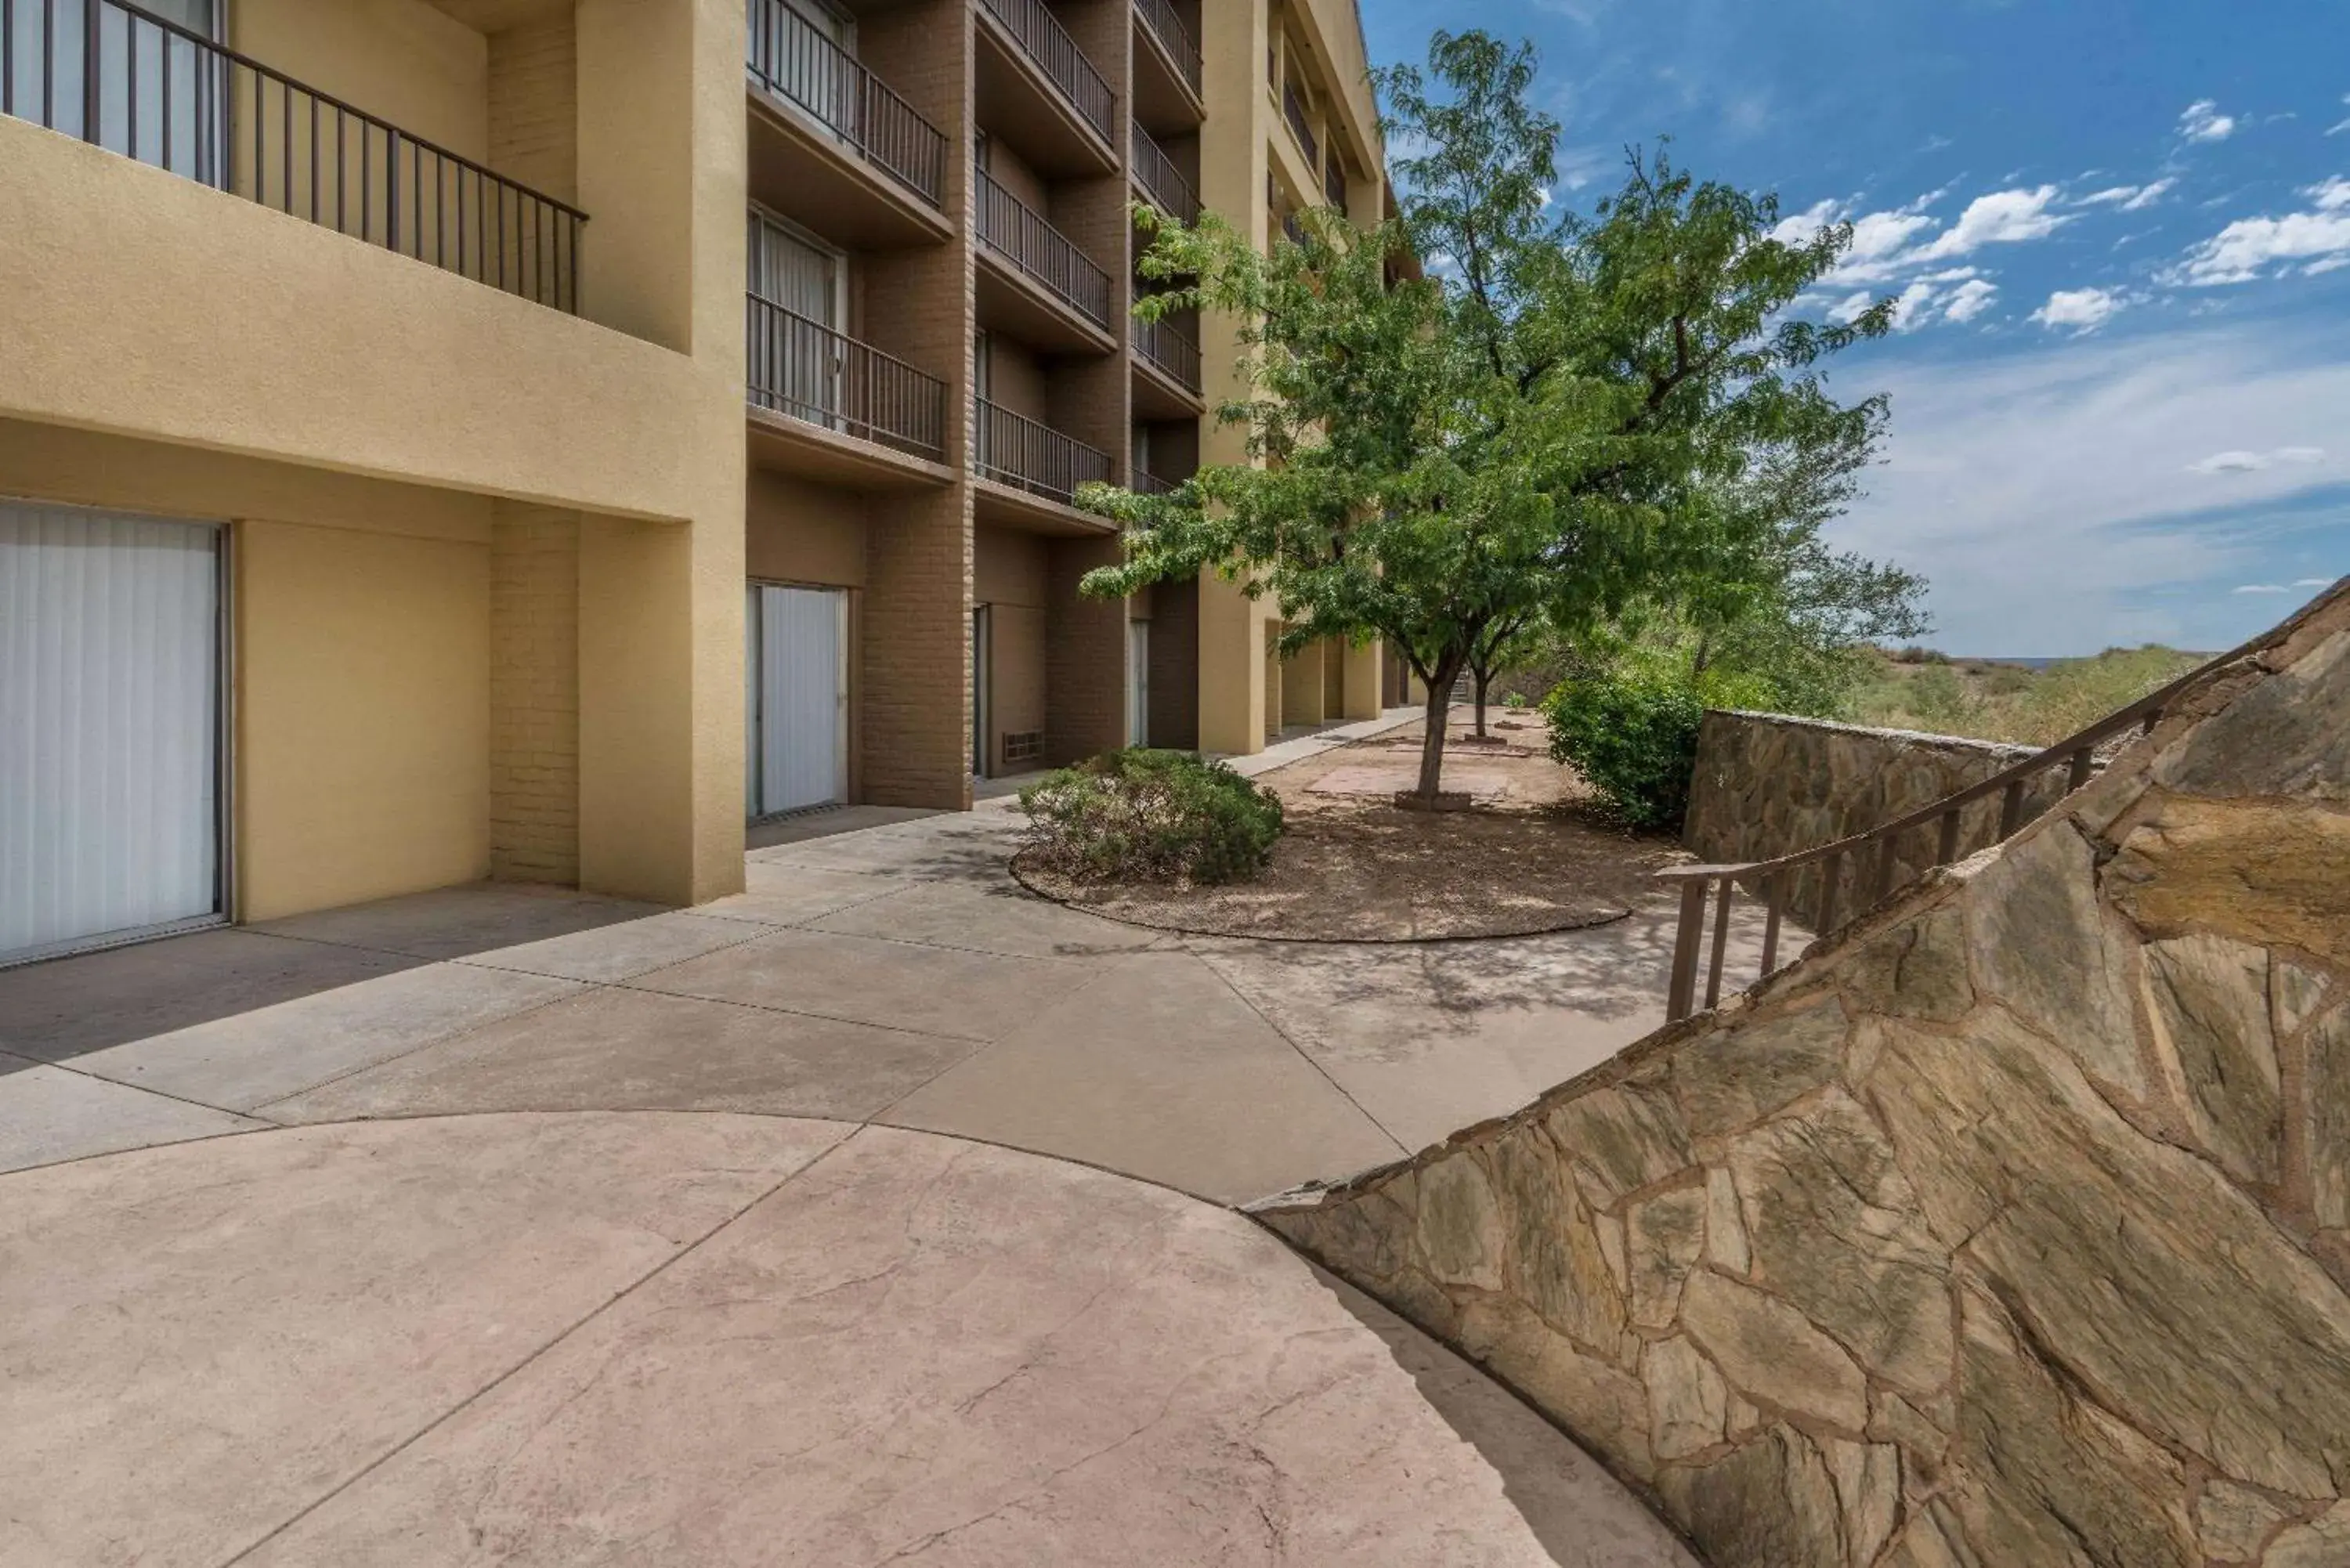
(495, 1226)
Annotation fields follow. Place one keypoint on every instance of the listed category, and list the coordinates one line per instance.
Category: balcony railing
(152, 90)
(1174, 355)
(1012, 450)
(1162, 184)
(1292, 109)
(1173, 37)
(1152, 484)
(804, 368)
(789, 58)
(1044, 39)
(1008, 227)
(1334, 184)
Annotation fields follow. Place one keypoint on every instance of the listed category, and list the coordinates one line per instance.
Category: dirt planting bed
(1532, 854)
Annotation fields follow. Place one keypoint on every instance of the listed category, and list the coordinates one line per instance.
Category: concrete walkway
(563, 1231)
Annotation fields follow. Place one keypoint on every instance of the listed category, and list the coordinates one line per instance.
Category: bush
(1635, 741)
(1150, 815)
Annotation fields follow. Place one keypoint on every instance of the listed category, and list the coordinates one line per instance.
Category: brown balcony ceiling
(801, 369)
(164, 95)
(789, 59)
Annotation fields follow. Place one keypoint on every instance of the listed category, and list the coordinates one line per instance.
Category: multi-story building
(410, 410)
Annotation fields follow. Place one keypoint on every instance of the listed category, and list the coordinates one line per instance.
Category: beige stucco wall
(362, 715)
(399, 60)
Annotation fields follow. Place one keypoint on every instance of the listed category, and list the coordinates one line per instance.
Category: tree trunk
(1485, 679)
(1431, 747)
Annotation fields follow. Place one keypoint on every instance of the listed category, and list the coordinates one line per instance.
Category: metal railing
(1016, 451)
(1292, 109)
(1873, 858)
(152, 90)
(800, 366)
(1173, 37)
(791, 59)
(1334, 182)
(1152, 484)
(1042, 37)
(1162, 184)
(1010, 228)
(1172, 354)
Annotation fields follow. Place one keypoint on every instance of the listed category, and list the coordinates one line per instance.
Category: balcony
(1157, 180)
(833, 145)
(1038, 91)
(804, 371)
(1152, 484)
(1292, 109)
(1167, 75)
(1051, 293)
(1012, 450)
(1163, 350)
(807, 70)
(163, 95)
(1333, 184)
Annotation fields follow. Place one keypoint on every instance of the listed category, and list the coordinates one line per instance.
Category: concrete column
(661, 169)
(1361, 664)
(1231, 668)
(1301, 686)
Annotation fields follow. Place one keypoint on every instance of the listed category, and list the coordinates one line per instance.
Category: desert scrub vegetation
(1915, 689)
(1149, 816)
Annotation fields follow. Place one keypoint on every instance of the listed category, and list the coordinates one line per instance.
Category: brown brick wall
(914, 709)
(1085, 656)
(1175, 665)
(534, 694)
(534, 105)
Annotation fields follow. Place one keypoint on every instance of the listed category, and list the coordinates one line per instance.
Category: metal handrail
(1166, 26)
(225, 119)
(1008, 226)
(799, 365)
(1014, 449)
(1173, 354)
(1293, 109)
(1773, 878)
(789, 58)
(1162, 184)
(1042, 37)
(1334, 182)
(1152, 484)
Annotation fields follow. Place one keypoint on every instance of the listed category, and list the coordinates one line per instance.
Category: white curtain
(110, 723)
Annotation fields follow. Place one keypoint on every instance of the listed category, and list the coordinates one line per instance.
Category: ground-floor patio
(875, 1214)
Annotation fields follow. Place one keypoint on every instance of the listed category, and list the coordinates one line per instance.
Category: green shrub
(1635, 741)
(1150, 815)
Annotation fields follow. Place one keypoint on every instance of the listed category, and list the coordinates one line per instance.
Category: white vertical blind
(110, 723)
(802, 679)
(1138, 683)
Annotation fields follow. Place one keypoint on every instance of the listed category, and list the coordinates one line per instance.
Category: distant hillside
(2034, 704)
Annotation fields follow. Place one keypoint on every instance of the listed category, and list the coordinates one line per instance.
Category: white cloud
(2040, 492)
(2263, 588)
(2248, 247)
(2003, 217)
(2082, 309)
(1848, 309)
(1969, 300)
(2312, 582)
(2338, 129)
(2237, 461)
(2202, 121)
(1797, 228)
(2128, 198)
(1914, 308)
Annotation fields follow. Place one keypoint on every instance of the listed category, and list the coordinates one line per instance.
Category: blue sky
(2121, 232)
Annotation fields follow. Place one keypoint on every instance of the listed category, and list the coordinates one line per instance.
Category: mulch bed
(1533, 854)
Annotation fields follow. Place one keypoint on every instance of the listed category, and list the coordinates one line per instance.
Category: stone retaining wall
(1768, 784)
(2010, 1227)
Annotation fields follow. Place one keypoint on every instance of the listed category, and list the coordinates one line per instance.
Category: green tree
(1569, 414)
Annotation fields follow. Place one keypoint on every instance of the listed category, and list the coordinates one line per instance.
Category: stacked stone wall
(1768, 784)
(2011, 1226)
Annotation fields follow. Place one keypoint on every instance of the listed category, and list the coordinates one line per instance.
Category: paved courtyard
(803, 1227)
